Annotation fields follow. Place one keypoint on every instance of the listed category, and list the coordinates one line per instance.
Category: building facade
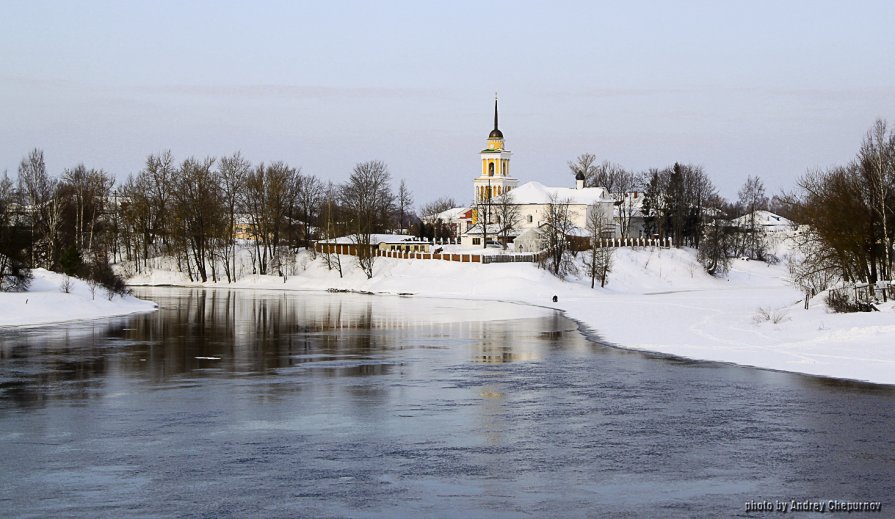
(481, 223)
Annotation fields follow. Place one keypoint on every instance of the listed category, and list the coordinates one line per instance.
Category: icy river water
(287, 404)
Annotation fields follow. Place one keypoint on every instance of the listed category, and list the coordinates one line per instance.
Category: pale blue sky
(762, 88)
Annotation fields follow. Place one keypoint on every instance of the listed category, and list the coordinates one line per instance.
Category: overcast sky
(763, 88)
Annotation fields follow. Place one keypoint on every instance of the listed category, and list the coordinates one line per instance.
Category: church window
(529, 219)
(490, 169)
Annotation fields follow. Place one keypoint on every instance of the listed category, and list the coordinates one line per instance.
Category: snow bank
(656, 300)
(46, 303)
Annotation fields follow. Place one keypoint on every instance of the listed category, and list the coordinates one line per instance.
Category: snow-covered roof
(765, 219)
(376, 239)
(572, 231)
(448, 215)
(537, 193)
(492, 229)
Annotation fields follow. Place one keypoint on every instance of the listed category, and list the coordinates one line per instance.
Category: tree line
(680, 203)
(192, 212)
(849, 211)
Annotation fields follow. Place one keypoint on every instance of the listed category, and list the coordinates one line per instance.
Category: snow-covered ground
(45, 302)
(657, 300)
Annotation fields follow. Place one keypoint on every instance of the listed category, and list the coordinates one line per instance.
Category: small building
(381, 242)
(766, 220)
(477, 236)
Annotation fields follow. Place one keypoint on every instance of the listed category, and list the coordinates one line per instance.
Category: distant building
(481, 222)
(383, 242)
(765, 220)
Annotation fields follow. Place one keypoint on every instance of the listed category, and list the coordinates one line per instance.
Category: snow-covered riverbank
(657, 300)
(46, 303)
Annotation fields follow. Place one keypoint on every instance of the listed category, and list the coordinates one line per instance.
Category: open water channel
(284, 404)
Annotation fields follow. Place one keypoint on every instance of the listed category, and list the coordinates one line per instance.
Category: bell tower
(495, 179)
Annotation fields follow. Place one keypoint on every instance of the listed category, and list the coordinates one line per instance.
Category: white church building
(531, 199)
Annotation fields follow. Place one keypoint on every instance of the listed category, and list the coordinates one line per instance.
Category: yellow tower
(495, 179)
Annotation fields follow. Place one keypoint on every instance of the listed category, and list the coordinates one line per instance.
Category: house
(382, 242)
(765, 220)
(449, 223)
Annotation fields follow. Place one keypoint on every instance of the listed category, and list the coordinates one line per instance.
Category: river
(229, 403)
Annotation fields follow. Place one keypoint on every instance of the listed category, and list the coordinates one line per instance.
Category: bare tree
(233, 172)
(610, 176)
(626, 205)
(269, 199)
(877, 166)
(483, 216)
(716, 244)
(89, 191)
(586, 164)
(159, 172)
(817, 269)
(507, 214)
(598, 261)
(332, 227)
(38, 192)
(752, 199)
(200, 211)
(438, 206)
(137, 215)
(832, 206)
(431, 216)
(368, 201)
(699, 190)
(557, 228)
(606, 174)
(405, 202)
(309, 196)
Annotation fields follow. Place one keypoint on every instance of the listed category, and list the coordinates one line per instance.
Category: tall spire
(495, 110)
(495, 133)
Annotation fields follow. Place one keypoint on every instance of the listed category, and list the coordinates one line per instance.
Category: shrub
(102, 273)
(66, 284)
(767, 315)
(840, 303)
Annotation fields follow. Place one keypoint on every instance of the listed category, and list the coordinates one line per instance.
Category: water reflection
(213, 333)
(333, 405)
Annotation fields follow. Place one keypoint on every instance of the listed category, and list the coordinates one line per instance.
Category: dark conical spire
(495, 133)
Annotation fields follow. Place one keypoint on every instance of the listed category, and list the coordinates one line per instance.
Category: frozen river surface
(247, 404)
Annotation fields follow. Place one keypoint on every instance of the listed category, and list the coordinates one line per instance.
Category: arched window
(529, 219)
(490, 169)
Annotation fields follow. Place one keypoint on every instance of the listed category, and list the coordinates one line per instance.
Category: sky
(769, 89)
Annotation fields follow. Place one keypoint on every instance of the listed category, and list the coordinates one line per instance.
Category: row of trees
(195, 212)
(192, 211)
(55, 223)
(849, 211)
(681, 203)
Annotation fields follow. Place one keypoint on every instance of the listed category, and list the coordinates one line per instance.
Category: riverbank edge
(82, 320)
(583, 327)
